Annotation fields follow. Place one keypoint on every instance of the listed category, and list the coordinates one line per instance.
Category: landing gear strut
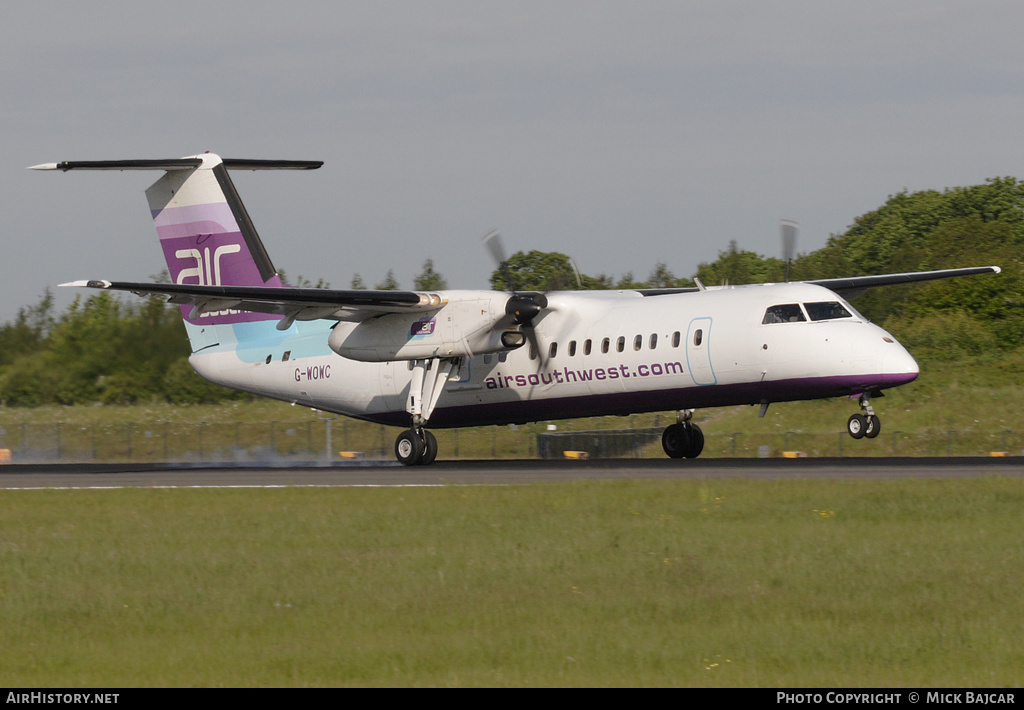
(417, 446)
(684, 438)
(866, 425)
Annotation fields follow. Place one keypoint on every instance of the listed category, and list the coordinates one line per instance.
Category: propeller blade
(523, 307)
(789, 228)
(493, 243)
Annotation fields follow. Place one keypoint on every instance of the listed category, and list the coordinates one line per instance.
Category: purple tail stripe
(194, 219)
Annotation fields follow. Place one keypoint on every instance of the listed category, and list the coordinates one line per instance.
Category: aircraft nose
(898, 364)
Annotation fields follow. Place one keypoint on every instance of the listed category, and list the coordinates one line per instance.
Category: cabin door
(698, 352)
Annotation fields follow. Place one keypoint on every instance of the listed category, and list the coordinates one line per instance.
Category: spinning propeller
(522, 306)
(789, 229)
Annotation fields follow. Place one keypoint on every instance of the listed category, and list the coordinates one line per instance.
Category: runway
(495, 472)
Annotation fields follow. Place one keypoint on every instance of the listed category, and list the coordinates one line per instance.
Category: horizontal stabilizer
(179, 164)
(169, 164)
(244, 164)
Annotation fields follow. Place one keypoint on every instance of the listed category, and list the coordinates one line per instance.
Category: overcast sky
(621, 133)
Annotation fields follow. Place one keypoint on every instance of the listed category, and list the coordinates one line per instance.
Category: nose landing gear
(866, 425)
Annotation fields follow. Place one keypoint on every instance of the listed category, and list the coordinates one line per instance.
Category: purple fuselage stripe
(622, 403)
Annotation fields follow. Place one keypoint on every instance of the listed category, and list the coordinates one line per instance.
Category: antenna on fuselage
(789, 228)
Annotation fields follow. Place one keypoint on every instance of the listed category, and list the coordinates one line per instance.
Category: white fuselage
(601, 352)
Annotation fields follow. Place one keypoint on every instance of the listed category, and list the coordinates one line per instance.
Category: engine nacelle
(470, 323)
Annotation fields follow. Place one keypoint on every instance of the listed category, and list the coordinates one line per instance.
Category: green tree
(390, 283)
(428, 279)
(964, 226)
(626, 281)
(535, 271)
(661, 277)
(735, 266)
(29, 331)
(597, 283)
(302, 281)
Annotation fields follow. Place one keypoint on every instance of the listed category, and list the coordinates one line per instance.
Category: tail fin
(205, 231)
(207, 236)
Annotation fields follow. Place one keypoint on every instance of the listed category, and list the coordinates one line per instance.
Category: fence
(243, 442)
(602, 444)
(324, 440)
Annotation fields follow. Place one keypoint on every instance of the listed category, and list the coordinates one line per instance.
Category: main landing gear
(866, 425)
(684, 439)
(417, 446)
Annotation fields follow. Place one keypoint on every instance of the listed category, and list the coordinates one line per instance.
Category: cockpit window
(786, 313)
(827, 310)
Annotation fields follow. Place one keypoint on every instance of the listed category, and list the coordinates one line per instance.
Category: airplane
(457, 358)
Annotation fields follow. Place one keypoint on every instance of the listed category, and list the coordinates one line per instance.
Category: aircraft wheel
(874, 426)
(857, 425)
(409, 448)
(675, 440)
(429, 449)
(683, 440)
(696, 442)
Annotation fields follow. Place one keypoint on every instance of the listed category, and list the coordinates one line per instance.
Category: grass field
(689, 583)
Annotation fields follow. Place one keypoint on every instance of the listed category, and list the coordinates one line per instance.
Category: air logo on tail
(207, 269)
(203, 263)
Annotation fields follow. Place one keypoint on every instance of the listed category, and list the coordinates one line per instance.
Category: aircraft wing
(856, 285)
(292, 303)
(853, 286)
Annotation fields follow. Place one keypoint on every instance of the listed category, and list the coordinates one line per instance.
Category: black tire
(429, 449)
(857, 425)
(696, 442)
(676, 440)
(409, 448)
(874, 427)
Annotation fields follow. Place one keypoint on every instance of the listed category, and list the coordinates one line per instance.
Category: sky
(620, 133)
